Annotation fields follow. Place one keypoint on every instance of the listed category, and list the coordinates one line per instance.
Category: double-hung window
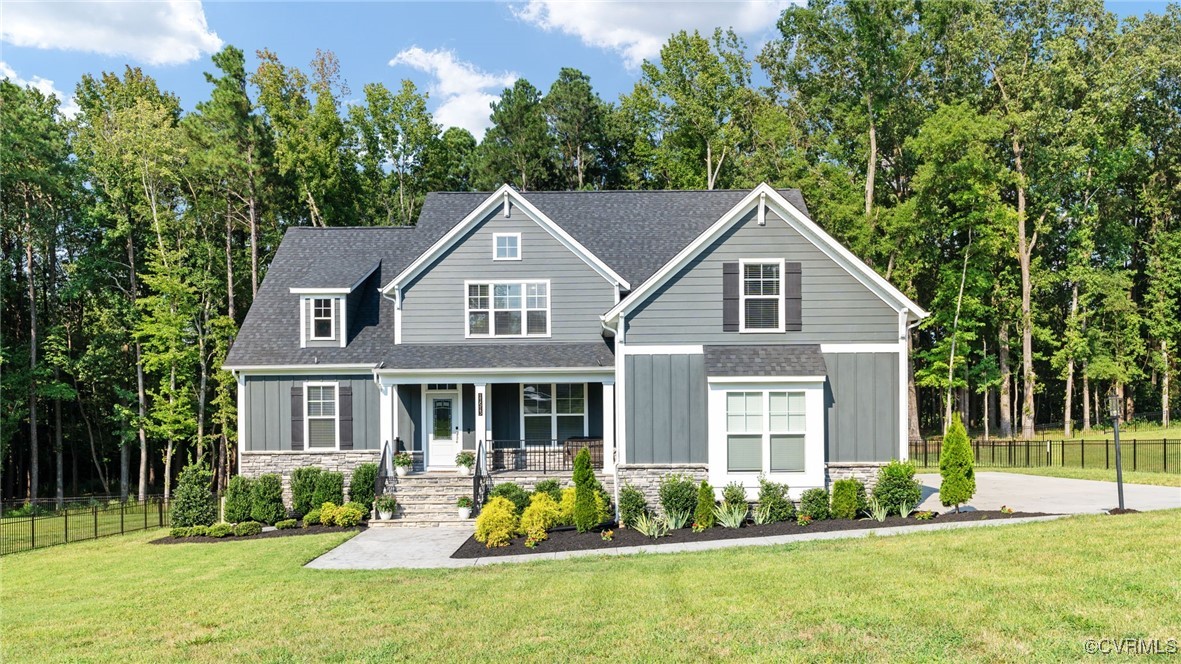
(321, 415)
(762, 296)
(323, 318)
(765, 431)
(553, 413)
(508, 309)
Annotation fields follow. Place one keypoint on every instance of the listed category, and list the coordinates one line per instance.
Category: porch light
(1113, 410)
(1113, 404)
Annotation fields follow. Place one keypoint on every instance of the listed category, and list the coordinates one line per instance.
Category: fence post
(1106, 455)
(66, 525)
(94, 508)
(1082, 454)
(122, 509)
(1134, 446)
(1164, 453)
(33, 529)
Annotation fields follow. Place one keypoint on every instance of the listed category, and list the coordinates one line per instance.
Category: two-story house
(721, 334)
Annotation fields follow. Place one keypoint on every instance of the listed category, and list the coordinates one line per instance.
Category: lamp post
(1113, 410)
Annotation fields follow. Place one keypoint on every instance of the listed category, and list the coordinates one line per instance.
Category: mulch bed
(569, 539)
(1116, 510)
(268, 534)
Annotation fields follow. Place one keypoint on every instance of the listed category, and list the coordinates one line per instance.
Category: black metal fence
(1154, 456)
(542, 456)
(42, 524)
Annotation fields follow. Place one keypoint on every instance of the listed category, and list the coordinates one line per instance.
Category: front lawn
(1033, 591)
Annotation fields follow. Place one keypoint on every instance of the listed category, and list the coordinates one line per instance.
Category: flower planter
(401, 471)
(465, 512)
(463, 471)
(385, 516)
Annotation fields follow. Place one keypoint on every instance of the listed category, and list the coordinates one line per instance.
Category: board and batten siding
(863, 406)
(835, 307)
(433, 309)
(268, 410)
(410, 418)
(666, 409)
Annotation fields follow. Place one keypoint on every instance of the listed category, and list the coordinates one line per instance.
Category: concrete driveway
(1055, 495)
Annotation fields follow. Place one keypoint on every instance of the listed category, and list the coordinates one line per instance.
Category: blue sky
(462, 53)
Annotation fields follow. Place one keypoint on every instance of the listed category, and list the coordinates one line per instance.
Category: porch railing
(541, 456)
(481, 480)
(383, 471)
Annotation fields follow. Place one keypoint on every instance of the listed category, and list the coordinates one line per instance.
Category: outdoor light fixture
(1113, 410)
(1113, 405)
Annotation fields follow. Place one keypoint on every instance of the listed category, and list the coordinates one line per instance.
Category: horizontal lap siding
(665, 409)
(863, 406)
(268, 411)
(433, 311)
(836, 307)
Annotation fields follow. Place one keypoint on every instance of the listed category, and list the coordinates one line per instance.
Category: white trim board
(659, 349)
(859, 348)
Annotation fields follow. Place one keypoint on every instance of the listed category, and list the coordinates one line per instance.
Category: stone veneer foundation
(867, 472)
(646, 478)
(253, 464)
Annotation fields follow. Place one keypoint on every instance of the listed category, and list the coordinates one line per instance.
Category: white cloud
(67, 105)
(637, 30)
(462, 91)
(165, 32)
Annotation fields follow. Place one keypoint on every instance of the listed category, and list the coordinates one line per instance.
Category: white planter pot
(465, 512)
(385, 516)
(401, 471)
(463, 471)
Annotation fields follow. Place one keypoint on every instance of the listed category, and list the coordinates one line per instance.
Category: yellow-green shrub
(497, 522)
(540, 515)
(566, 507)
(348, 515)
(328, 514)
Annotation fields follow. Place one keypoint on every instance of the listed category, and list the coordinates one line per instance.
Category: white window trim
(524, 284)
(332, 304)
(814, 415)
(553, 414)
(495, 245)
(307, 441)
(767, 431)
(742, 296)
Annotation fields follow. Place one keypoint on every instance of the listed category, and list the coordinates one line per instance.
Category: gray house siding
(836, 308)
(863, 406)
(434, 303)
(268, 410)
(665, 410)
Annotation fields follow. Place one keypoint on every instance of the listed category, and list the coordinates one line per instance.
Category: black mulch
(288, 532)
(1128, 510)
(569, 539)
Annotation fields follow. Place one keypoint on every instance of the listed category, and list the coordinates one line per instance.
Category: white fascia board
(491, 376)
(660, 349)
(859, 348)
(765, 380)
(764, 194)
(500, 197)
(283, 369)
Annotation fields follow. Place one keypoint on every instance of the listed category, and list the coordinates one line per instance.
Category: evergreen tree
(585, 513)
(955, 466)
(704, 516)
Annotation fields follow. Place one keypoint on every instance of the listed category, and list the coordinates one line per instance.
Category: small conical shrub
(238, 499)
(193, 504)
(704, 517)
(586, 515)
(955, 465)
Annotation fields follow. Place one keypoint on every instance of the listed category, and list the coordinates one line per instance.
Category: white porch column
(386, 413)
(609, 426)
(482, 407)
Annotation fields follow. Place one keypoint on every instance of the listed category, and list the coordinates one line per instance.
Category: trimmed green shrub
(775, 502)
(704, 517)
(552, 487)
(497, 522)
(513, 493)
(266, 499)
(312, 518)
(896, 486)
(539, 516)
(631, 505)
(247, 528)
(362, 485)
(329, 489)
(220, 530)
(193, 504)
(286, 523)
(814, 504)
(848, 499)
(678, 493)
(182, 531)
(349, 515)
(955, 466)
(198, 531)
(734, 494)
(238, 499)
(586, 514)
(303, 489)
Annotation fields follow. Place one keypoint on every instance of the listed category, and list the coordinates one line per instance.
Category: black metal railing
(542, 456)
(383, 471)
(38, 527)
(1154, 456)
(481, 480)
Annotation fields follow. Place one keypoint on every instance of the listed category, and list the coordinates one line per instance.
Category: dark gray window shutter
(731, 283)
(792, 292)
(345, 394)
(297, 417)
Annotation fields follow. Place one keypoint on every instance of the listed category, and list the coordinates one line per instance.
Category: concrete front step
(450, 522)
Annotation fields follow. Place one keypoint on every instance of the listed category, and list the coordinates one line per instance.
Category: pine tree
(703, 516)
(585, 515)
(955, 465)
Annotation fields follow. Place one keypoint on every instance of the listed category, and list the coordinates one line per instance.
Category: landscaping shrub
(774, 501)
(238, 499)
(312, 518)
(631, 505)
(328, 514)
(198, 531)
(552, 487)
(678, 493)
(539, 516)
(734, 494)
(512, 492)
(586, 512)
(220, 530)
(896, 486)
(349, 515)
(566, 507)
(329, 488)
(848, 499)
(497, 522)
(286, 523)
(194, 504)
(603, 507)
(362, 485)
(731, 515)
(182, 531)
(303, 490)
(247, 528)
(703, 517)
(814, 504)
(955, 466)
(266, 499)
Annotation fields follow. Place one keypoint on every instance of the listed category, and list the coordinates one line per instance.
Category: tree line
(1014, 167)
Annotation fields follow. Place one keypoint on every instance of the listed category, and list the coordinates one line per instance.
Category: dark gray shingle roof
(782, 360)
(499, 356)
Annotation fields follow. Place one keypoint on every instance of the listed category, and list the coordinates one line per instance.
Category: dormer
(325, 311)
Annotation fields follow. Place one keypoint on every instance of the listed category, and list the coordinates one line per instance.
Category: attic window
(323, 318)
(506, 246)
(762, 296)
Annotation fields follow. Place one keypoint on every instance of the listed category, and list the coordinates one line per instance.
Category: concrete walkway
(1055, 495)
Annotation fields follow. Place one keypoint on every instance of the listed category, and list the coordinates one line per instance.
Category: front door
(443, 416)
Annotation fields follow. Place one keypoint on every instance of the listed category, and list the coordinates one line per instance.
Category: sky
(461, 53)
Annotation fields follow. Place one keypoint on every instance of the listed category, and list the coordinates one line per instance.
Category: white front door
(443, 436)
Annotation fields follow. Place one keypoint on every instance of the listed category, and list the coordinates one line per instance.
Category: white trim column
(242, 415)
(481, 412)
(609, 427)
(385, 413)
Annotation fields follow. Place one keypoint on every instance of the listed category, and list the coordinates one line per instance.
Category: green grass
(74, 524)
(1013, 592)
(1158, 479)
